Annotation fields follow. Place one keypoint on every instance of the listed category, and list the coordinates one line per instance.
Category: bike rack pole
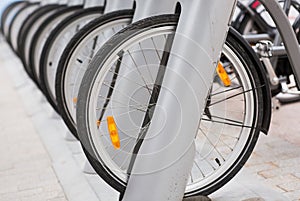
(148, 8)
(63, 2)
(287, 35)
(34, 1)
(75, 2)
(161, 174)
(115, 5)
(49, 2)
(93, 3)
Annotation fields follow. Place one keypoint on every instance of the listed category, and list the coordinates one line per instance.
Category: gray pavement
(26, 169)
(38, 163)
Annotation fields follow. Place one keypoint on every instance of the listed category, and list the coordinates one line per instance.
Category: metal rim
(100, 142)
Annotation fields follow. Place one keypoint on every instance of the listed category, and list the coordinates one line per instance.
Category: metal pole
(75, 2)
(115, 5)
(287, 34)
(93, 3)
(164, 161)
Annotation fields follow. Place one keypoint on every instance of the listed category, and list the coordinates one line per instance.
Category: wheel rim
(116, 161)
(57, 48)
(81, 57)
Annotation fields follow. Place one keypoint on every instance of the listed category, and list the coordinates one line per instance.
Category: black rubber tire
(44, 84)
(6, 12)
(31, 66)
(14, 11)
(240, 48)
(64, 60)
(15, 20)
(29, 22)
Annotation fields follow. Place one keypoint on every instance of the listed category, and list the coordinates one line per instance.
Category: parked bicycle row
(101, 67)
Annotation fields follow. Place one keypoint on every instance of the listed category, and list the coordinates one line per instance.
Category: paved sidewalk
(26, 171)
(276, 159)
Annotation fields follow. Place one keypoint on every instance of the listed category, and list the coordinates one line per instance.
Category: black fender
(267, 101)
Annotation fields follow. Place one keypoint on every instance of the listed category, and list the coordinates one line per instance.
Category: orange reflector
(223, 75)
(113, 131)
(75, 100)
(98, 123)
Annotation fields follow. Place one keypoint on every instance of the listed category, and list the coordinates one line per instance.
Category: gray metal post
(75, 2)
(49, 2)
(63, 2)
(114, 5)
(164, 161)
(287, 34)
(93, 3)
(148, 8)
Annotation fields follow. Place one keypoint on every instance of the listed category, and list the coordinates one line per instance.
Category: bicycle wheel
(40, 36)
(10, 16)
(56, 43)
(76, 57)
(229, 127)
(17, 23)
(6, 12)
(28, 31)
(29, 25)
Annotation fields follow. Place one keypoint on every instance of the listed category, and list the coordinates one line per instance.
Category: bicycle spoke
(137, 68)
(211, 143)
(226, 119)
(131, 106)
(125, 77)
(215, 134)
(199, 169)
(207, 161)
(155, 47)
(230, 124)
(230, 97)
(226, 91)
(122, 93)
(144, 56)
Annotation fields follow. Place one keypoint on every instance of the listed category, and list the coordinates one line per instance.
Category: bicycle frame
(169, 168)
(286, 33)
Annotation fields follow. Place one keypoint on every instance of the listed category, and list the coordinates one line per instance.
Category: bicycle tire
(77, 19)
(29, 22)
(85, 122)
(17, 22)
(10, 16)
(29, 30)
(6, 13)
(79, 38)
(32, 66)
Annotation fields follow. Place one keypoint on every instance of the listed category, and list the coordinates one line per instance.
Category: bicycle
(103, 83)
(154, 42)
(78, 54)
(30, 27)
(257, 26)
(107, 91)
(56, 43)
(9, 14)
